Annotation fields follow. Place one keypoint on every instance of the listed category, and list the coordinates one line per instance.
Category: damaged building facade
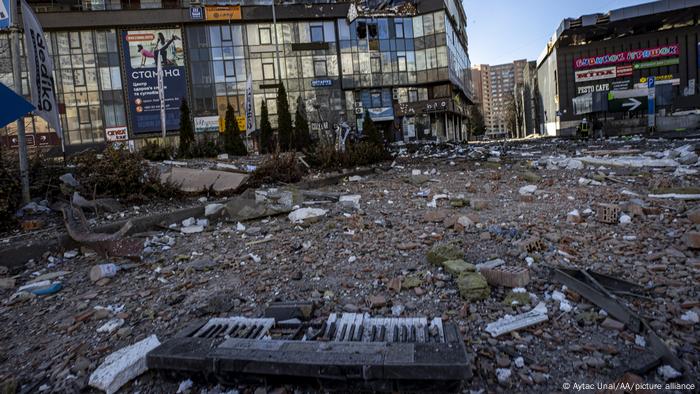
(598, 67)
(404, 63)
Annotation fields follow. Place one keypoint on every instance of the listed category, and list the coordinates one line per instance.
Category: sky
(501, 31)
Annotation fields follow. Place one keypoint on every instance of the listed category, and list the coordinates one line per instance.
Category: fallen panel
(507, 324)
(122, 366)
(594, 287)
(353, 351)
(191, 180)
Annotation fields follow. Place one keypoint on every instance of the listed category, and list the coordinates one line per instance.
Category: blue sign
(5, 18)
(196, 13)
(321, 82)
(14, 106)
(142, 49)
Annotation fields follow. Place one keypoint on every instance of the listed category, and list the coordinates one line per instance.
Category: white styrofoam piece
(123, 365)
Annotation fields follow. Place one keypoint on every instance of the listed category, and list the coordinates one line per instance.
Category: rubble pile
(472, 234)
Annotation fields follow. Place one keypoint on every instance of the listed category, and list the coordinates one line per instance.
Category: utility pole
(17, 76)
(277, 50)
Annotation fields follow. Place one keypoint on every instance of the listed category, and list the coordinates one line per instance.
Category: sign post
(651, 86)
(17, 77)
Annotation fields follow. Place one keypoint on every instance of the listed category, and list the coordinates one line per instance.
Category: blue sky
(501, 31)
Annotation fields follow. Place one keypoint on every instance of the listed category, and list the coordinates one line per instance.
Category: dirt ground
(349, 258)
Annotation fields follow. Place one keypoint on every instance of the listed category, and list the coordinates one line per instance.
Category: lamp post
(277, 51)
(17, 76)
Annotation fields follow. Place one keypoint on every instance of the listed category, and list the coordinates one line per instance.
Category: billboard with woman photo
(143, 49)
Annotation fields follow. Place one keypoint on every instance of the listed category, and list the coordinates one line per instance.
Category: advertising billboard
(115, 134)
(628, 56)
(204, 124)
(222, 13)
(143, 48)
(596, 74)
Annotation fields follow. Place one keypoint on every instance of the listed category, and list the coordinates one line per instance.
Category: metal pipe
(17, 76)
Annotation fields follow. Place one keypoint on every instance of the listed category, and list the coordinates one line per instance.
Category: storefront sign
(196, 13)
(321, 82)
(667, 79)
(657, 63)
(117, 134)
(141, 51)
(381, 114)
(206, 123)
(620, 85)
(594, 75)
(436, 106)
(222, 13)
(38, 139)
(602, 87)
(628, 57)
(241, 123)
(624, 71)
(221, 123)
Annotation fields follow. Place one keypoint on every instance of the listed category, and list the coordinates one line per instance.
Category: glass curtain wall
(392, 52)
(222, 56)
(88, 84)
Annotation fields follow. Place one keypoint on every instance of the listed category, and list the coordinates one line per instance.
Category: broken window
(361, 30)
(372, 30)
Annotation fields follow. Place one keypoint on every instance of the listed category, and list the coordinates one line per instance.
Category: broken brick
(507, 276)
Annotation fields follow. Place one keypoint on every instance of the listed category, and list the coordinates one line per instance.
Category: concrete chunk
(444, 252)
(456, 267)
(194, 181)
(123, 365)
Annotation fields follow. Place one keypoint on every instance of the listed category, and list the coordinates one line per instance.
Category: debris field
(470, 234)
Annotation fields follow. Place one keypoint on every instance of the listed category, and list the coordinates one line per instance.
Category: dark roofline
(617, 15)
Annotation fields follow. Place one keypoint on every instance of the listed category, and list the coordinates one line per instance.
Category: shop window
(413, 95)
(376, 97)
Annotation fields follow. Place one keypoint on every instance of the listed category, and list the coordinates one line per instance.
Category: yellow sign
(239, 119)
(666, 77)
(222, 13)
(241, 123)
